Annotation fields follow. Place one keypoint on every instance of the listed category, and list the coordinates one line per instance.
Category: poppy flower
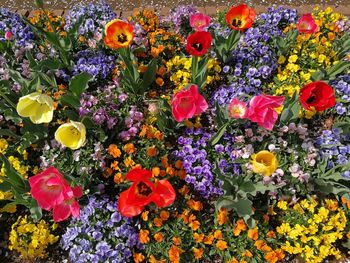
(198, 43)
(71, 135)
(119, 34)
(317, 95)
(38, 107)
(143, 191)
(199, 21)
(188, 103)
(264, 162)
(240, 17)
(306, 24)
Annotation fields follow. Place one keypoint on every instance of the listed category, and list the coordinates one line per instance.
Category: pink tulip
(262, 110)
(306, 24)
(8, 35)
(48, 188)
(52, 191)
(199, 21)
(237, 109)
(188, 103)
(69, 206)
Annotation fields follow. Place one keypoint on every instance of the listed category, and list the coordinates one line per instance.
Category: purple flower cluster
(197, 164)
(96, 63)
(102, 106)
(179, 17)
(101, 234)
(13, 23)
(334, 146)
(254, 62)
(342, 88)
(132, 122)
(94, 17)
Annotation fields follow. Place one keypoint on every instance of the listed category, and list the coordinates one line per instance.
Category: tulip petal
(126, 208)
(165, 193)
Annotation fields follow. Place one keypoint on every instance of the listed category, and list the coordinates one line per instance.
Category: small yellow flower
(71, 135)
(38, 107)
(283, 205)
(264, 162)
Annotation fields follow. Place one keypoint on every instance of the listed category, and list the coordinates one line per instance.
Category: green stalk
(7, 99)
(194, 69)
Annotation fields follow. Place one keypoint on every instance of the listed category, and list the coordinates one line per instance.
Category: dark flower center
(198, 46)
(311, 99)
(236, 22)
(143, 189)
(122, 38)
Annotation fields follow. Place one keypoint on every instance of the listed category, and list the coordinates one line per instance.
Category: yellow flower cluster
(310, 53)
(22, 169)
(315, 238)
(31, 239)
(180, 69)
(48, 20)
(3, 146)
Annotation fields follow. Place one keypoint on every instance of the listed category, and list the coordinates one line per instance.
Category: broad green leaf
(216, 138)
(79, 83)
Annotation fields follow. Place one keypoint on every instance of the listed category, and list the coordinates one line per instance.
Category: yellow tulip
(264, 162)
(38, 107)
(71, 135)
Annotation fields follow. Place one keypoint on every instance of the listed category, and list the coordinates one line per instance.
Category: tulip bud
(8, 35)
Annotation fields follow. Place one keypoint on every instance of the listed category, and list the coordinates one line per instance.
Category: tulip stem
(7, 99)
(194, 69)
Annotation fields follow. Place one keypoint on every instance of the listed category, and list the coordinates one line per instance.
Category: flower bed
(177, 138)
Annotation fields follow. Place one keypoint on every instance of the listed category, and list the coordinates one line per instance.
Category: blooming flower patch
(177, 138)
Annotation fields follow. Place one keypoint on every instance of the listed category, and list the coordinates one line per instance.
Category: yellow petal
(71, 135)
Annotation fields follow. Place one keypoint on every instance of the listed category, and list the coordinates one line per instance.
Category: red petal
(164, 193)
(127, 209)
(61, 212)
(138, 174)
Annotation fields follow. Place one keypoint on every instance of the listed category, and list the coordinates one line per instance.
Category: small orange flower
(118, 178)
(198, 253)
(221, 245)
(271, 234)
(233, 260)
(159, 237)
(184, 190)
(119, 34)
(144, 215)
(144, 238)
(138, 257)
(160, 81)
(218, 234)
(208, 240)
(164, 215)
(253, 234)
(222, 216)
(129, 148)
(155, 171)
(174, 254)
(261, 245)
(240, 17)
(240, 226)
(152, 151)
(198, 238)
(158, 222)
(247, 254)
(348, 235)
(274, 256)
(195, 205)
(114, 151)
(177, 241)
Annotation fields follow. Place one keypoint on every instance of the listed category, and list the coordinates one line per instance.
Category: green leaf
(291, 110)
(338, 68)
(243, 207)
(70, 100)
(8, 132)
(149, 75)
(216, 138)
(35, 210)
(79, 83)
(16, 76)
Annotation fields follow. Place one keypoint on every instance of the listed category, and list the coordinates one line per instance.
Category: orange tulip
(119, 34)
(240, 17)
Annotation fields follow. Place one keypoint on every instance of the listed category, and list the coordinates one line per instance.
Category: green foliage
(224, 46)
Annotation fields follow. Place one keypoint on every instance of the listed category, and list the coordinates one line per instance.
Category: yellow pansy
(264, 162)
(38, 107)
(71, 135)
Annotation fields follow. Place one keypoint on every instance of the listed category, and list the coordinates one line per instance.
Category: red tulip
(317, 95)
(69, 206)
(306, 24)
(198, 43)
(143, 191)
(240, 17)
(188, 103)
(199, 22)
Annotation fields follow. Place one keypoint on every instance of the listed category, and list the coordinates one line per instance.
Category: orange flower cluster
(147, 19)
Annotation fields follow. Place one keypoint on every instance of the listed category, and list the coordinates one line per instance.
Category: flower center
(265, 160)
(143, 189)
(312, 98)
(122, 38)
(198, 46)
(236, 22)
(74, 131)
